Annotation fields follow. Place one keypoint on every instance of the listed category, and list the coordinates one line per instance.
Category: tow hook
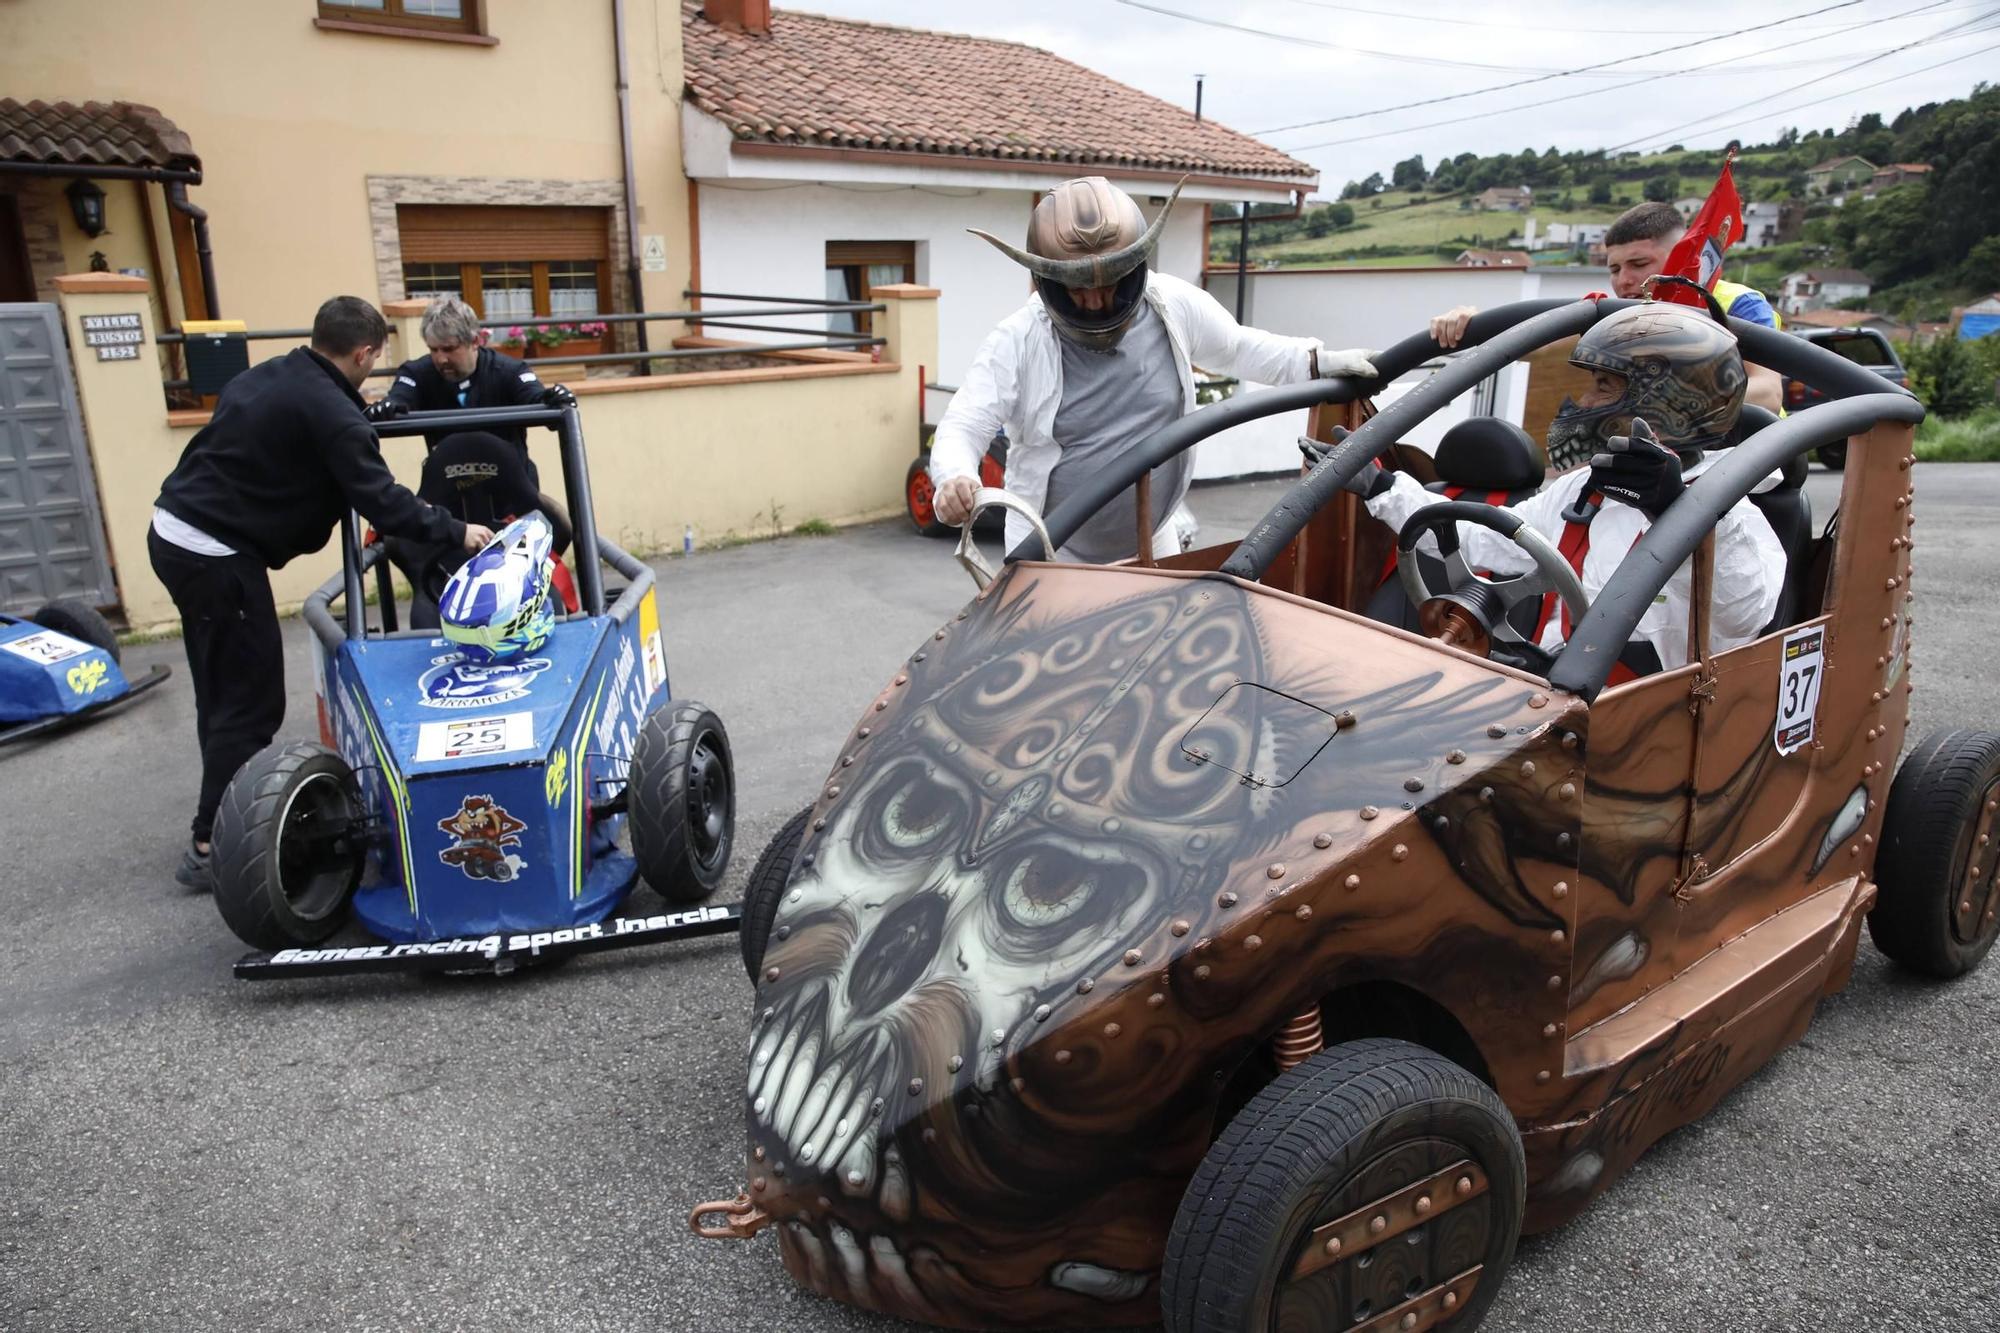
(742, 1219)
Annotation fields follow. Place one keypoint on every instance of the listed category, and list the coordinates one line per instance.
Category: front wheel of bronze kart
(766, 889)
(289, 846)
(682, 801)
(1938, 906)
(1376, 1185)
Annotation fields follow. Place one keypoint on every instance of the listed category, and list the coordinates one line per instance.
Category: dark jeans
(236, 658)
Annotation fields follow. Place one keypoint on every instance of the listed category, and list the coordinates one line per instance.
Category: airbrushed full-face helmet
(1682, 373)
(497, 606)
(1085, 234)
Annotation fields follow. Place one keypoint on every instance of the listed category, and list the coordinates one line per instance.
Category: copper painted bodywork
(1112, 831)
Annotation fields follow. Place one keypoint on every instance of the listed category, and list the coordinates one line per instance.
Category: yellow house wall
(290, 120)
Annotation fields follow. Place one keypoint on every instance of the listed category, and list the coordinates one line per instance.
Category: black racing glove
(384, 409)
(1638, 470)
(558, 395)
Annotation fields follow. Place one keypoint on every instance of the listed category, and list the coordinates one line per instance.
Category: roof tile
(849, 84)
(97, 134)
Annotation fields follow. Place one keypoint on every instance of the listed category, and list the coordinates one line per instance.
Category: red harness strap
(1575, 544)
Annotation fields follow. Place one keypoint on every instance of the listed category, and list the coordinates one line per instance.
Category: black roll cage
(1858, 399)
(356, 560)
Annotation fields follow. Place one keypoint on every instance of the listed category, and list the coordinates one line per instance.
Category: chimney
(751, 16)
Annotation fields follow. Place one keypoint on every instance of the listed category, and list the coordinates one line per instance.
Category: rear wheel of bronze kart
(919, 497)
(1938, 909)
(682, 801)
(1374, 1182)
(80, 621)
(767, 888)
(289, 846)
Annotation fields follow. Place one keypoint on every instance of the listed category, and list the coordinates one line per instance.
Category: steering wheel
(1473, 611)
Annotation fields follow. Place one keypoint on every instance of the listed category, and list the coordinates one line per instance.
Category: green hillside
(1928, 244)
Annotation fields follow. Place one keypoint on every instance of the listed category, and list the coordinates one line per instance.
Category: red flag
(1698, 255)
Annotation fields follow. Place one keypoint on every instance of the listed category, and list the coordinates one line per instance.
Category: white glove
(1354, 361)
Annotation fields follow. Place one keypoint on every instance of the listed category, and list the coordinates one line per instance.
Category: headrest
(477, 460)
(1750, 419)
(1488, 454)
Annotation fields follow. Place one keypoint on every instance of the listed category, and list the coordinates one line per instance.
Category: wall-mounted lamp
(86, 205)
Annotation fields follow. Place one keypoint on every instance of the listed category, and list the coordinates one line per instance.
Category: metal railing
(747, 318)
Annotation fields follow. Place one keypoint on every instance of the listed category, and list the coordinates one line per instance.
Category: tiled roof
(819, 82)
(1833, 162)
(1840, 276)
(1495, 259)
(97, 134)
(1835, 319)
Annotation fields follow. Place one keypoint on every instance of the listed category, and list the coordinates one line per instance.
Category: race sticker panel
(470, 737)
(47, 648)
(1804, 663)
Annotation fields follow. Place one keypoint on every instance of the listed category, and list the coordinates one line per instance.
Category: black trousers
(236, 658)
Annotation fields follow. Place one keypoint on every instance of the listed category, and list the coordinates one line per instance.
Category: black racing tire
(287, 846)
(1833, 455)
(81, 621)
(1937, 909)
(682, 801)
(766, 890)
(1353, 1124)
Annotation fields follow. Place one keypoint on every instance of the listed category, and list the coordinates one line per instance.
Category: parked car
(1864, 347)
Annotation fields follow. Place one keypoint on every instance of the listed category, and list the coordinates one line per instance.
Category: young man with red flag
(1654, 239)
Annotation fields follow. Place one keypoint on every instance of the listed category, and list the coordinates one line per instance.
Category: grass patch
(1973, 439)
(814, 527)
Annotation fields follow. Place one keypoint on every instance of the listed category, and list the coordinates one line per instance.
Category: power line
(1571, 97)
(1544, 78)
(1800, 106)
(1956, 29)
(1513, 25)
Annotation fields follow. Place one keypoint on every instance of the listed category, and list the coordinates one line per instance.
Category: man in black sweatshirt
(462, 371)
(285, 454)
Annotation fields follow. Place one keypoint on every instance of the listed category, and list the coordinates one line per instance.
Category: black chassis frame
(1857, 399)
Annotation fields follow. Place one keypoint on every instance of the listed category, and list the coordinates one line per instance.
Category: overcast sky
(1354, 60)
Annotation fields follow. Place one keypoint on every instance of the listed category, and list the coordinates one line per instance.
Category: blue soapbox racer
(476, 815)
(59, 667)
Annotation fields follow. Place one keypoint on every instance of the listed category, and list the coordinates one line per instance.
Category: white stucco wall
(771, 241)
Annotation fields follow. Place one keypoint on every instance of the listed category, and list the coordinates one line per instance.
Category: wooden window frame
(472, 289)
(863, 255)
(392, 21)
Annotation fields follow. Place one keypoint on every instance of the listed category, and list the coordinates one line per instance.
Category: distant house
(1896, 173)
(819, 164)
(1494, 259)
(1768, 223)
(1981, 318)
(1837, 174)
(1816, 289)
(1506, 198)
(1570, 236)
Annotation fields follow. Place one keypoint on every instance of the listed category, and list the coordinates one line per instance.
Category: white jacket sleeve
(1749, 575)
(1217, 342)
(981, 408)
(1483, 548)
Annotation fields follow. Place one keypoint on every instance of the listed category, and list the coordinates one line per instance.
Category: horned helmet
(1682, 373)
(1088, 233)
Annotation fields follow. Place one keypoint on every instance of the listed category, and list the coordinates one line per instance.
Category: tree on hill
(1409, 173)
(1600, 190)
(1662, 189)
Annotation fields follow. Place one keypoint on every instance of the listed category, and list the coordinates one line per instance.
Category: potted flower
(552, 342)
(509, 341)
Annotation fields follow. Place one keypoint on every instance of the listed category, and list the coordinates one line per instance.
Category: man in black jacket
(462, 371)
(285, 454)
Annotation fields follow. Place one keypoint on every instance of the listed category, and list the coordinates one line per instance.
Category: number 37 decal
(1803, 663)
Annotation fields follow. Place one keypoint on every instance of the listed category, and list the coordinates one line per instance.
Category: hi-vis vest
(1726, 293)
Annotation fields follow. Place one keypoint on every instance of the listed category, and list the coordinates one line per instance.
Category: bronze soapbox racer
(1178, 941)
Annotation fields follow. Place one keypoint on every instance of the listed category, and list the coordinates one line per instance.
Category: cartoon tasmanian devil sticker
(484, 831)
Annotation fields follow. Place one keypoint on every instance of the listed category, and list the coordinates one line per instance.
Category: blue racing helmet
(497, 606)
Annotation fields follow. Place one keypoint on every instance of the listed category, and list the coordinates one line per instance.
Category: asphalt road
(184, 1151)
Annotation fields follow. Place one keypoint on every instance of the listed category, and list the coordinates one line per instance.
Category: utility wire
(1587, 92)
(1542, 78)
(1515, 26)
(1961, 28)
(1800, 106)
